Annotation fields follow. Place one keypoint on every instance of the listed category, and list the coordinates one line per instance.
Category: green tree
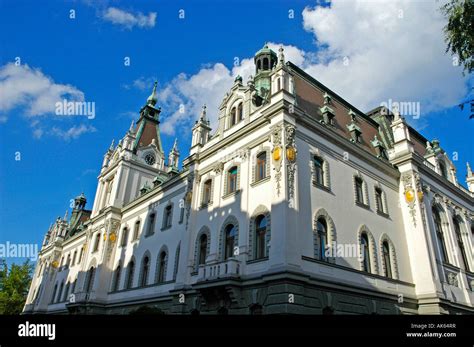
(459, 32)
(14, 286)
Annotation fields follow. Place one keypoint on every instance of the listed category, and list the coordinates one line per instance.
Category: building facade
(297, 203)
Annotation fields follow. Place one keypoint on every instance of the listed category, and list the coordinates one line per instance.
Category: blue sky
(193, 58)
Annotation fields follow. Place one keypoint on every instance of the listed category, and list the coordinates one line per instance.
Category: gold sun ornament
(55, 264)
(105, 237)
(277, 153)
(420, 196)
(291, 154)
(409, 195)
(112, 237)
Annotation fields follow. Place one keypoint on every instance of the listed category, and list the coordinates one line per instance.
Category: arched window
(136, 230)
(240, 112)
(440, 235)
(260, 232)
(145, 270)
(265, 64)
(261, 166)
(89, 280)
(130, 274)
(457, 230)
(229, 238)
(233, 116)
(167, 216)
(322, 235)
(124, 240)
(97, 242)
(232, 180)
(162, 260)
(359, 190)
(379, 200)
(151, 224)
(365, 250)
(278, 84)
(202, 249)
(116, 282)
(206, 194)
(259, 65)
(386, 259)
(318, 170)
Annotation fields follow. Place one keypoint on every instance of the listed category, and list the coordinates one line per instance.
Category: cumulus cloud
(36, 94)
(22, 86)
(184, 96)
(73, 132)
(366, 51)
(129, 20)
(141, 83)
(391, 49)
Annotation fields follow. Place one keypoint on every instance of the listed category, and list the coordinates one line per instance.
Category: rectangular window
(206, 199)
(232, 180)
(261, 166)
(318, 171)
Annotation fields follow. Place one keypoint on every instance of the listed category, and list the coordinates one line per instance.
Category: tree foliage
(14, 286)
(459, 31)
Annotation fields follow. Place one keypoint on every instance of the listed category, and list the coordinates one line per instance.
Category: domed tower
(265, 59)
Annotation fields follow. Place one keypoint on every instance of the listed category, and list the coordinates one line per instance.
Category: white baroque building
(291, 173)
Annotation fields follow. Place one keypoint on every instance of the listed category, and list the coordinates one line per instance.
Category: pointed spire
(65, 215)
(152, 99)
(203, 117)
(131, 127)
(111, 148)
(469, 171)
(281, 55)
(175, 145)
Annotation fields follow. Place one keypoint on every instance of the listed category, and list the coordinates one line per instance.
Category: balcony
(225, 269)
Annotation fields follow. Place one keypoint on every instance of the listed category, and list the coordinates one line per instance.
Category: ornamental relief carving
(277, 154)
(291, 153)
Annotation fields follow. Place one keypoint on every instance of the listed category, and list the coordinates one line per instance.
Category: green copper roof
(266, 50)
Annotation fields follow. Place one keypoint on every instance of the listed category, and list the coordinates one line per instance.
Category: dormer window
(240, 112)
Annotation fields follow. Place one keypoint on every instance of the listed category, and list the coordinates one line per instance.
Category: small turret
(173, 157)
(201, 130)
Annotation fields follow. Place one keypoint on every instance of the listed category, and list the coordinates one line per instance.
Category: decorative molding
(277, 146)
(290, 136)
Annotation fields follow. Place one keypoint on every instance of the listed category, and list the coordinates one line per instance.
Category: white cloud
(395, 50)
(73, 132)
(22, 86)
(141, 83)
(183, 97)
(129, 19)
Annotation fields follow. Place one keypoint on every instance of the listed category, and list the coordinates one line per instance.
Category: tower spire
(203, 117)
(152, 99)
